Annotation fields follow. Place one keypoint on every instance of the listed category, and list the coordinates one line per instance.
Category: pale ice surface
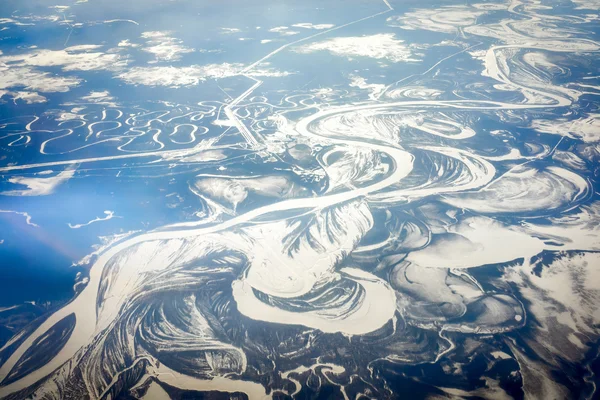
(361, 199)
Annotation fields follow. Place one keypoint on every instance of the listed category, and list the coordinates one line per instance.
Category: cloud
(375, 89)
(189, 76)
(127, 43)
(164, 46)
(23, 70)
(177, 76)
(380, 46)
(283, 30)
(266, 71)
(34, 80)
(308, 25)
(4, 21)
(24, 20)
(81, 58)
(100, 97)
(279, 29)
(60, 8)
(27, 97)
